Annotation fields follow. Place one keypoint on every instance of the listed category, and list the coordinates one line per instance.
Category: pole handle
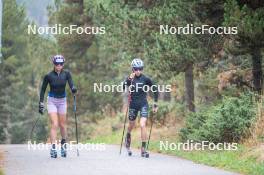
(74, 103)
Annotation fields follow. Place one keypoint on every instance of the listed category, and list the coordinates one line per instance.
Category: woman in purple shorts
(56, 102)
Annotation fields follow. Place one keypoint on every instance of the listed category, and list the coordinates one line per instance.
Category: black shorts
(134, 108)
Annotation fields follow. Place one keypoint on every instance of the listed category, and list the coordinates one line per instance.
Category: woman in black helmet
(56, 102)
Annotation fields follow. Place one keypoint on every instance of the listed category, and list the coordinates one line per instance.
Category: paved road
(20, 161)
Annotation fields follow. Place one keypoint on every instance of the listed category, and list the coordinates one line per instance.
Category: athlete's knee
(142, 123)
(131, 124)
(54, 125)
(62, 125)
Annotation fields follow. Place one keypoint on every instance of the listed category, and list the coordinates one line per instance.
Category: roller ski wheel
(145, 154)
(63, 152)
(63, 148)
(53, 153)
(129, 152)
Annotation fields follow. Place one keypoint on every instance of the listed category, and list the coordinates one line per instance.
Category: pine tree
(23, 56)
(72, 12)
(134, 28)
(13, 49)
(248, 17)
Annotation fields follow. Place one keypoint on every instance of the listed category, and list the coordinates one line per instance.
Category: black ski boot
(128, 142)
(144, 153)
(63, 148)
(53, 151)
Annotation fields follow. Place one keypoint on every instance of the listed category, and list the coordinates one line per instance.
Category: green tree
(23, 56)
(248, 16)
(134, 29)
(14, 55)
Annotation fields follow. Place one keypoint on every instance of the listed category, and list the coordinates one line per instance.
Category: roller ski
(144, 153)
(53, 152)
(63, 148)
(128, 141)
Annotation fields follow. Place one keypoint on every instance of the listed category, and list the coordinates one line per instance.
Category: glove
(155, 108)
(41, 108)
(131, 76)
(74, 90)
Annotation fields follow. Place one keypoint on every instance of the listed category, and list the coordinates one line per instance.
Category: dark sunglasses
(56, 64)
(137, 68)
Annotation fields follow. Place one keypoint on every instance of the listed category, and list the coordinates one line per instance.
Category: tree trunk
(7, 129)
(189, 88)
(256, 69)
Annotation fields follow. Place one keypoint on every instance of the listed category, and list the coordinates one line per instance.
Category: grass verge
(1, 163)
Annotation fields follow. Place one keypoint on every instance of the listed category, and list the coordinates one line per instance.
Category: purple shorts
(57, 105)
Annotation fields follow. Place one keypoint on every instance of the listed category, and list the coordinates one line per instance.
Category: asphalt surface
(19, 160)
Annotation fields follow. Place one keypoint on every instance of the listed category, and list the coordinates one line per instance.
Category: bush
(227, 121)
(167, 109)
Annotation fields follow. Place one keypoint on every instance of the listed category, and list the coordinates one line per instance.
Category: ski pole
(76, 124)
(124, 128)
(151, 124)
(33, 127)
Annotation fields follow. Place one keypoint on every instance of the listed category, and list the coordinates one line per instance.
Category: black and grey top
(57, 82)
(138, 84)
